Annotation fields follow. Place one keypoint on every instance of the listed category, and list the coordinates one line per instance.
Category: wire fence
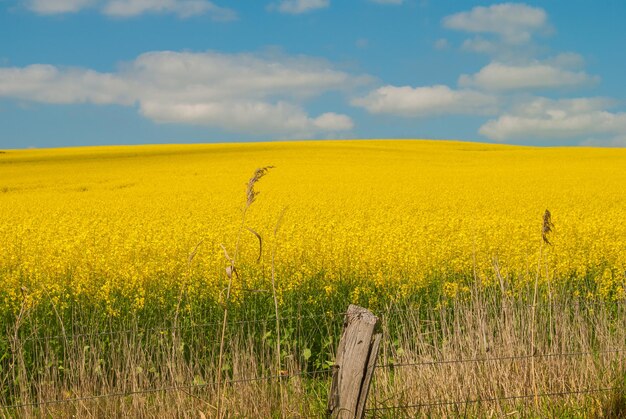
(324, 373)
(173, 328)
(67, 338)
(429, 404)
(170, 388)
(498, 359)
(267, 319)
(440, 403)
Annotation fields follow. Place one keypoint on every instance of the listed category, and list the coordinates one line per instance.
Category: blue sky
(85, 72)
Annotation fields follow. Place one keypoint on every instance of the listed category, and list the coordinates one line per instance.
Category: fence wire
(164, 329)
(329, 370)
(327, 315)
(495, 359)
(167, 388)
(490, 399)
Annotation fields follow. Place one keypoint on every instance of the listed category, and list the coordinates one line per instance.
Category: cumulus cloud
(49, 7)
(257, 117)
(514, 23)
(48, 84)
(569, 60)
(426, 101)
(236, 92)
(130, 8)
(387, 1)
(536, 75)
(331, 121)
(362, 43)
(481, 46)
(543, 118)
(441, 44)
(296, 7)
(506, 32)
(617, 141)
(182, 8)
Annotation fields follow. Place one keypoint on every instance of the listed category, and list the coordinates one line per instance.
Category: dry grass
(134, 375)
(578, 347)
(251, 194)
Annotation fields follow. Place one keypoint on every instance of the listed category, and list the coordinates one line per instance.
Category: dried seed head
(547, 226)
(250, 192)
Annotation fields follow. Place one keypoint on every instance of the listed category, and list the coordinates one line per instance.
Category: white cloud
(47, 84)
(387, 1)
(281, 118)
(331, 121)
(569, 60)
(543, 118)
(481, 46)
(129, 8)
(500, 76)
(441, 44)
(426, 101)
(296, 7)
(236, 92)
(49, 7)
(182, 8)
(618, 141)
(515, 23)
(362, 43)
(217, 75)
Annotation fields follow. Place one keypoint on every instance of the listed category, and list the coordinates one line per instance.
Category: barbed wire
(329, 370)
(494, 359)
(166, 389)
(491, 399)
(328, 315)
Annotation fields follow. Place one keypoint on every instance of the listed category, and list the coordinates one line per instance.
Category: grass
(578, 346)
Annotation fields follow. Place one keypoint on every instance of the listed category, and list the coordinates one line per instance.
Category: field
(118, 238)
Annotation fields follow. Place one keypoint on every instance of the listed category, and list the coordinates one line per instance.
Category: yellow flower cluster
(113, 224)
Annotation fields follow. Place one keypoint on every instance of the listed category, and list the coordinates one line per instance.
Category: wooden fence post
(354, 365)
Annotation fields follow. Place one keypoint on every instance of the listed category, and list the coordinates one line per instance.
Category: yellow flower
(116, 224)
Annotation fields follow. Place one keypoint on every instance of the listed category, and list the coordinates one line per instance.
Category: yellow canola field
(110, 224)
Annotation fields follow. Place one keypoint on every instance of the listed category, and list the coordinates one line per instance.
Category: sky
(95, 72)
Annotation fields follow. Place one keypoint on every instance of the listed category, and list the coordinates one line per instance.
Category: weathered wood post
(354, 364)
